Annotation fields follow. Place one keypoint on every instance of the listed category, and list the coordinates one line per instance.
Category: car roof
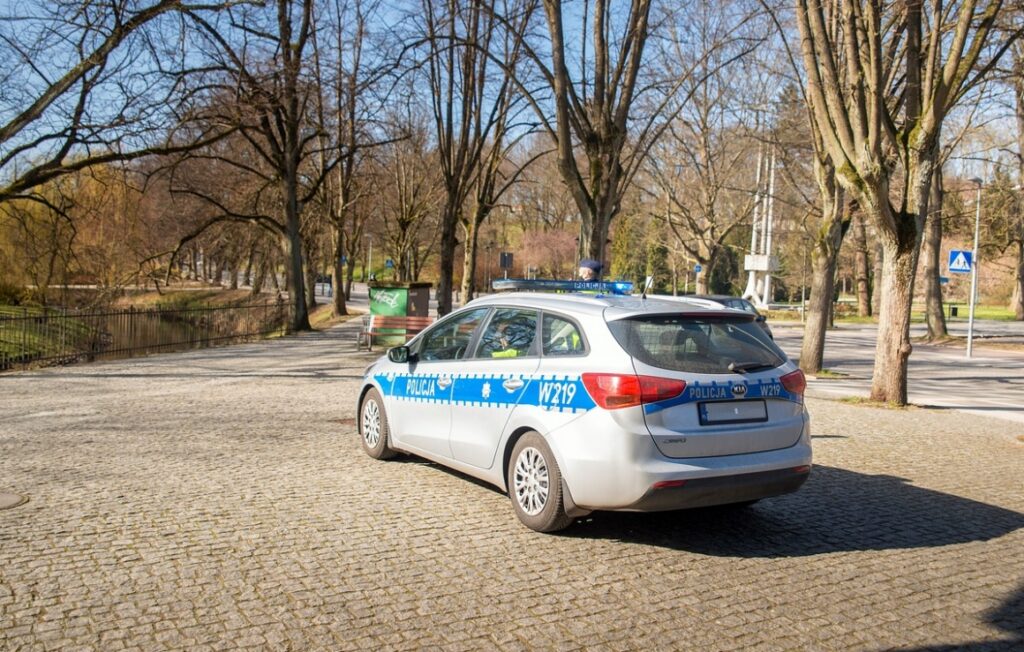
(716, 297)
(609, 306)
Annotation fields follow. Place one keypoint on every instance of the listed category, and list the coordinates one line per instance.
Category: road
(990, 383)
(219, 500)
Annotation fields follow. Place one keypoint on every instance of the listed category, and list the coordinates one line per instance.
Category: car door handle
(512, 384)
(444, 381)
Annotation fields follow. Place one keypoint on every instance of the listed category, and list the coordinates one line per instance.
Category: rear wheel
(373, 427)
(535, 485)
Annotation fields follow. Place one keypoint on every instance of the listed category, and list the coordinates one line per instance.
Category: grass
(867, 402)
(29, 334)
(827, 374)
(986, 311)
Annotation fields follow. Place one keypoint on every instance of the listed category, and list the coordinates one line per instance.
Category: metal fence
(46, 337)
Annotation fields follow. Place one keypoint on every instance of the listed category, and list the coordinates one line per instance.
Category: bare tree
(407, 198)
(472, 103)
(698, 172)
(1014, 231)
(118, 97)
(260, 58)
(353, 67)
(881, 78)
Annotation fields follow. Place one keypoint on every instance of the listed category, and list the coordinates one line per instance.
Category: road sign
(390, 264)
(697, 269)
(505, 259)
(960, 261)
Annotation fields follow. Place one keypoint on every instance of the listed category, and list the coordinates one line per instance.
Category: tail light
(614, 391)
(795, 382)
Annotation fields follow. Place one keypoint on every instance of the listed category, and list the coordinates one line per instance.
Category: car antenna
(647, 286)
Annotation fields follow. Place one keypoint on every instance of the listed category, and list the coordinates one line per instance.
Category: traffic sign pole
(974, 273)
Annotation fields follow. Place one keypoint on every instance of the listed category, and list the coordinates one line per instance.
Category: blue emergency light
(552, 285)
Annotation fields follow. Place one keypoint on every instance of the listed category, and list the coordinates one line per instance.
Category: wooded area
(157, 142)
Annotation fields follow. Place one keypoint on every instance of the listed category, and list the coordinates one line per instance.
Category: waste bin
(401, 300)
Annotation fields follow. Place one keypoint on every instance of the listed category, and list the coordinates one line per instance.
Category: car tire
(535, 485)
(374, 432)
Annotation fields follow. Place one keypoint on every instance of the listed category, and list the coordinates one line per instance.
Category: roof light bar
(552, 285)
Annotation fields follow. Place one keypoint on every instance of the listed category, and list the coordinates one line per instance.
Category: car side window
(450, 339)
(510, 334)
(561, 337)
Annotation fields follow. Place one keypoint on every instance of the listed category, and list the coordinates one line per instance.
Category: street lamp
(974, 269)
(490, 245)
(369, 256)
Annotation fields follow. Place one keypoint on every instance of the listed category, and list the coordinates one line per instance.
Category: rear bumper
(722, 490)
(608, 466)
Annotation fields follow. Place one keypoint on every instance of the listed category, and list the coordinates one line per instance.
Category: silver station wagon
(573, 403)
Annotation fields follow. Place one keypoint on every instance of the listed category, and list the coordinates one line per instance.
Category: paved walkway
(220, 500)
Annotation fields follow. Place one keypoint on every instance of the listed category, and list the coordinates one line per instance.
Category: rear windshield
(709, 345)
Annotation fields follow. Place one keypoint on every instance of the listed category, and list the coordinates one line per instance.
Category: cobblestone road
(220, 500)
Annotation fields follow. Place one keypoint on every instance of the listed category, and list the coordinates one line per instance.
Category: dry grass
(826, 374)
(867, 402)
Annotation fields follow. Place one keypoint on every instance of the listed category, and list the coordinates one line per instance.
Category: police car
(575, 402)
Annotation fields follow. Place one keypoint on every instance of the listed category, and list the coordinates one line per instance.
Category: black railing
(45, 337)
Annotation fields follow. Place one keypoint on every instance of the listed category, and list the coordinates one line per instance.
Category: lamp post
(490, 245)
(368, 272)
(974, 269)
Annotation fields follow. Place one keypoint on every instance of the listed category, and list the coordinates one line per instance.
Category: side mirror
(399, 354)
(761, 318)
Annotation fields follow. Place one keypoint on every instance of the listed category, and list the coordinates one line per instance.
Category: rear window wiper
(744, 367)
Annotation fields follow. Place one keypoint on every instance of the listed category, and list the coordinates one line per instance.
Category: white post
(974, 271)
(751, 291)
(766, 299)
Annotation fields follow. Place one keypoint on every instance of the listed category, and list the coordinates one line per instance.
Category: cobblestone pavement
(220, 500)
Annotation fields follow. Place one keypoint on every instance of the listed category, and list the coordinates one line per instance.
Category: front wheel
(535, 485)
(373, 427)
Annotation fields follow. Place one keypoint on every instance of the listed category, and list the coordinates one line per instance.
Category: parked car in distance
(737, 303)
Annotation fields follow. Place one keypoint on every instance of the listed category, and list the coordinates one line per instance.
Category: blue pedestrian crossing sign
(960, 261)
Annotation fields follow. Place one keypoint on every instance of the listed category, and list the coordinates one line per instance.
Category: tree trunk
(931, 244)
(819, 307)
(247, 278)
(862, 271)
(310, 268)
(350, 270)
(876, 277)
(899, 262)
(469, 262)
(824, 258)
(445, 282)
(1018, 283)
(299, 318)
(338, 276)
(260, 276)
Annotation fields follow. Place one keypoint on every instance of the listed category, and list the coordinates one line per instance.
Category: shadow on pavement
(837, 510)
(1008, 617)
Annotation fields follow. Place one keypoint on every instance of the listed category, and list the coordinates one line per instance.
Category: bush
(14, 295)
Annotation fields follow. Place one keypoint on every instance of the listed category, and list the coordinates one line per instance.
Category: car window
(699, 345)
(561, 337)
(509, 334)
(741, 304)
(449, 339)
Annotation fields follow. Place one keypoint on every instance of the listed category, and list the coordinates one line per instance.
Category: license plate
(732, 412)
